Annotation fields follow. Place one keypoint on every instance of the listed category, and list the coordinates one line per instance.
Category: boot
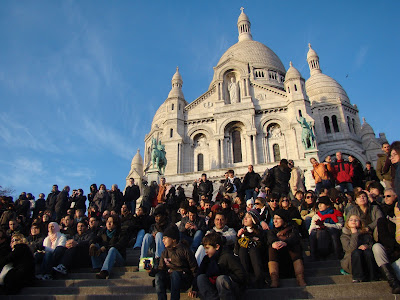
(299, 271)
(273, 267)
(394, 283)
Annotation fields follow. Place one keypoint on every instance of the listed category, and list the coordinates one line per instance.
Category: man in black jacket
(132, 193)
(62, 203)
(77, 253)
(251, 183)
(281, 176)
(51, 199)
(202, 187)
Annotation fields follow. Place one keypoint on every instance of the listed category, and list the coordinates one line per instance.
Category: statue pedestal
(309, 180)
(153, 175)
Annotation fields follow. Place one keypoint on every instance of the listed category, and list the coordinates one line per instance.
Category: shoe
(102, 275)
(60, 269)
(343, 272)
(390, 275)
(96, 270)
(47, 277)
(273, 267)
(299, 271)
(39, 277)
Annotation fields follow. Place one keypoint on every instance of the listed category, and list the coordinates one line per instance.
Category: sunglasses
(257, 203)
(308, 197)
(388, 196)
(274, 200)
(285, 200)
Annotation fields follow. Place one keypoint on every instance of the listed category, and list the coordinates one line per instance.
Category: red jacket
(343, 171)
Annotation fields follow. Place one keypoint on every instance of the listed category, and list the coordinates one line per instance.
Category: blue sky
(81, 80)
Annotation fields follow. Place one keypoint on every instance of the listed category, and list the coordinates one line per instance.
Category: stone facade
(248, 116)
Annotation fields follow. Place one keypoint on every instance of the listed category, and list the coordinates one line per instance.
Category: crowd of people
(248, 233)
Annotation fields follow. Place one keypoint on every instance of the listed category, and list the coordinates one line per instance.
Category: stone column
(222, 143)
(255, 150)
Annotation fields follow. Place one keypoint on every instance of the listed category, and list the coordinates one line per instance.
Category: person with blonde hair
(18, 267)
(357, 244)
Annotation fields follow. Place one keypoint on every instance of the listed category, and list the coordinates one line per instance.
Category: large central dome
(254, 53)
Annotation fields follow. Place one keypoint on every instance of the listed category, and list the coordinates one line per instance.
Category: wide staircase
(323, 278)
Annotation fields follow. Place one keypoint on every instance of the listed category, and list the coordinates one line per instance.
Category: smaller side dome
(366, 128)
(137, 160)
(292, 73)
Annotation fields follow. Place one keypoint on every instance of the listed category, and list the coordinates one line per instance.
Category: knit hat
(283, 214)
(325, 200)
(250, 201)
(172, 232)
(255, 215)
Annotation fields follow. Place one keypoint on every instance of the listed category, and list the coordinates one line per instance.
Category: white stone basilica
(248, 116)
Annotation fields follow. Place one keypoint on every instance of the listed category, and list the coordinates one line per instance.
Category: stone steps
(323, 278)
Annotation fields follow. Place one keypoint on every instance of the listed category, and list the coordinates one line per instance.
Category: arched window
(173, 106)
(348, 123)
(200, 162)
(236, 146)
(277, 152)
(171, 133)
(295, 87)
(327, 125)
(354, 126)
(335, 123)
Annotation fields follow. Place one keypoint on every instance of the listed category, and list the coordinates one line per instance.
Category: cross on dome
(242, 9)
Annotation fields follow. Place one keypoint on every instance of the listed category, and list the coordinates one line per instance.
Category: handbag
(244, 241)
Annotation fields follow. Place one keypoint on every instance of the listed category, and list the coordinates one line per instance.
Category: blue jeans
(194, 241)
(250, 193)
(107, 260)
(346, 186)
(176, 280)
(150, 243)
(131, 206)
(139, 239)
(51, 259)
(224, 288)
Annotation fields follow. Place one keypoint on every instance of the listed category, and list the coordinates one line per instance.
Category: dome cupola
(313, 60)
(244, 27)
(177, 82)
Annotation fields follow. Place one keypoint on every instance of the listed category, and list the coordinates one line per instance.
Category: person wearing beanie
(283, 241)
(249, 204)
(326, 227)
(177, 266)
(250, 245)
(153, 239)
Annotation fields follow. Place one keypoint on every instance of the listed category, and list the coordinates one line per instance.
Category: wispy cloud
(16, 135)
(99, 135)
(22, 171)
(361, 56)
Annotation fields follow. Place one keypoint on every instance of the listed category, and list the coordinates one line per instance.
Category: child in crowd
(177, 266)
(326, 227)
(250, 243)
(357, 243)
(220, 275)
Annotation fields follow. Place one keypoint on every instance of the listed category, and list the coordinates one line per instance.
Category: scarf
(53, 236)
(110, 234)
(330, 215)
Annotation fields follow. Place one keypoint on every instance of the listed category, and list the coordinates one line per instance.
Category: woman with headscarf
(54, 247)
